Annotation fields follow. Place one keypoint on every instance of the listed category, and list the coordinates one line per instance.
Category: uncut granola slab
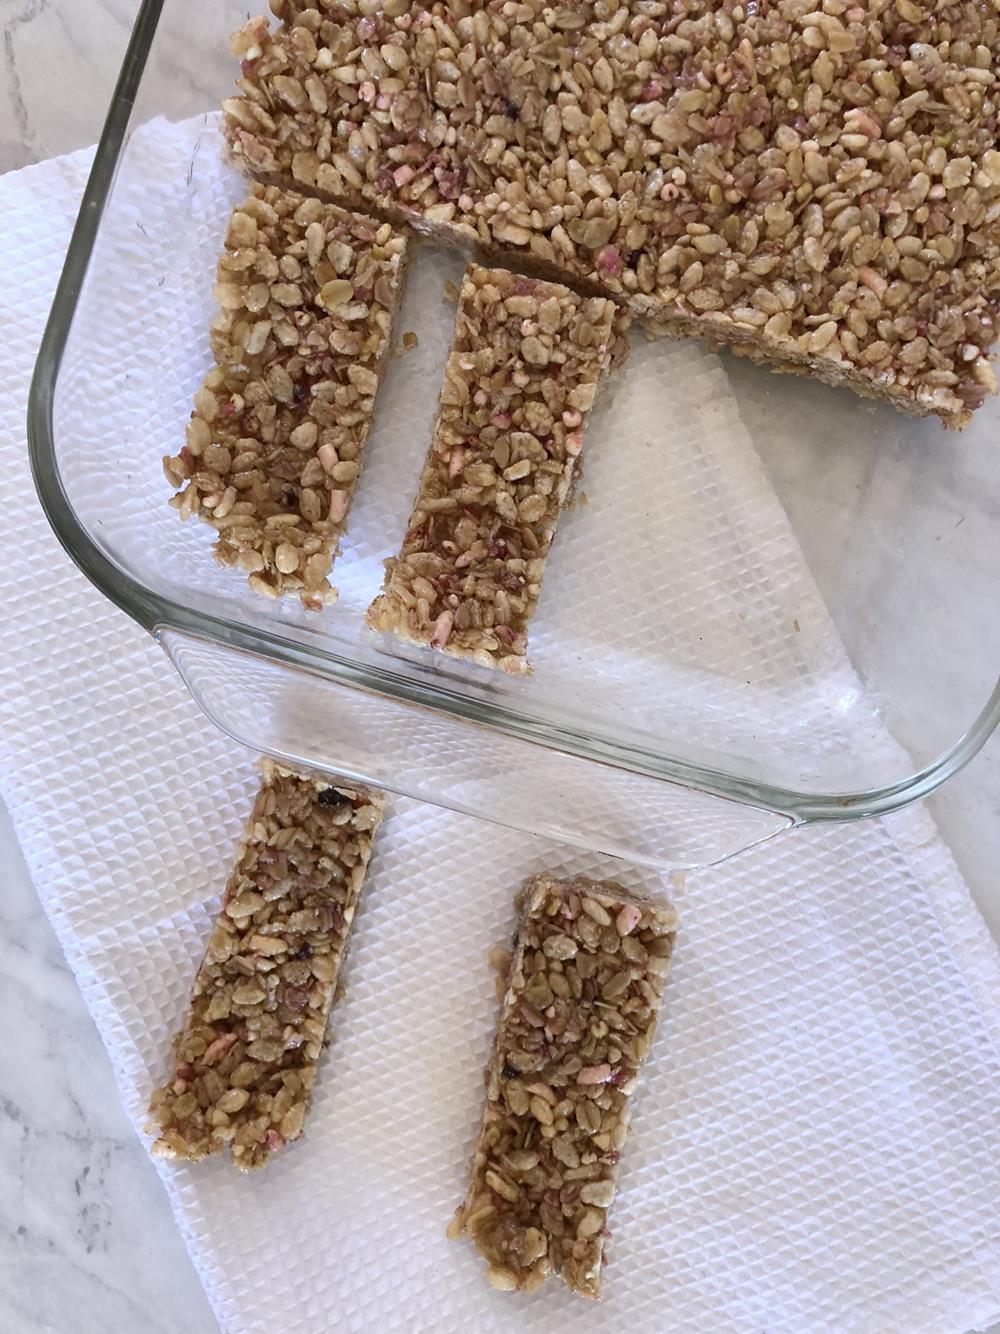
(246, 1059)
(816, 185)
(520, 379)
(578, 1017)
(307, 294)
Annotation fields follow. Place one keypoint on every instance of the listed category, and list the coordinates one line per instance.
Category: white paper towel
(816, 1135)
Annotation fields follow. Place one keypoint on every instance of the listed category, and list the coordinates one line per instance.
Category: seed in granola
(337, 292)
(502, 1188)
(504, 1280)
(596, 911)
(590, 1223)
(541, 1110)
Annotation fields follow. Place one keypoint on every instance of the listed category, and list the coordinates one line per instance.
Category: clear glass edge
(164, 634)
(155, 613)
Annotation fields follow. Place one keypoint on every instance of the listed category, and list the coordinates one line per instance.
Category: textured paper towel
(815, 1141)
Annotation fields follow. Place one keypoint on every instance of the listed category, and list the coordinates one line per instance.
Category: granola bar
(307, 294)
(519, 382)
(587, 973)
(246, 1060)
(815, 183)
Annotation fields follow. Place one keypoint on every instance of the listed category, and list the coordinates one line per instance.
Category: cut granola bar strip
(816, 185)
(520, 379)
(578, 1017)
(307, 294)
(246, 1059)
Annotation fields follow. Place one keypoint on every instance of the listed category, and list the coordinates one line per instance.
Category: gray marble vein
(60, 59)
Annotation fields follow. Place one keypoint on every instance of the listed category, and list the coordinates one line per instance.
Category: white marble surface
(60, 59)
(87, 1242)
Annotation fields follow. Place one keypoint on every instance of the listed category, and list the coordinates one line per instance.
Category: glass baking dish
(681, 707)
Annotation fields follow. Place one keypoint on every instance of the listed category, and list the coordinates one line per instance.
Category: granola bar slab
(520, 379)
(577, 1021)
(307, 293)
(816, 185)
(246, 1059)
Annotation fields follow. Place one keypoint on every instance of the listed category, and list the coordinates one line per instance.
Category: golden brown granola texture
(578, 1017)
(815, 183)
(245, 1062)
(307, 293)
(521, 378)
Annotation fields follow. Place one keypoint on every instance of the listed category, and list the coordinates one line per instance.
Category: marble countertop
(88, 1244)
(87, 1240)
(59, 62)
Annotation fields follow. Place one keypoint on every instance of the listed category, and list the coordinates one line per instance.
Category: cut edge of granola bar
(783, 357)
